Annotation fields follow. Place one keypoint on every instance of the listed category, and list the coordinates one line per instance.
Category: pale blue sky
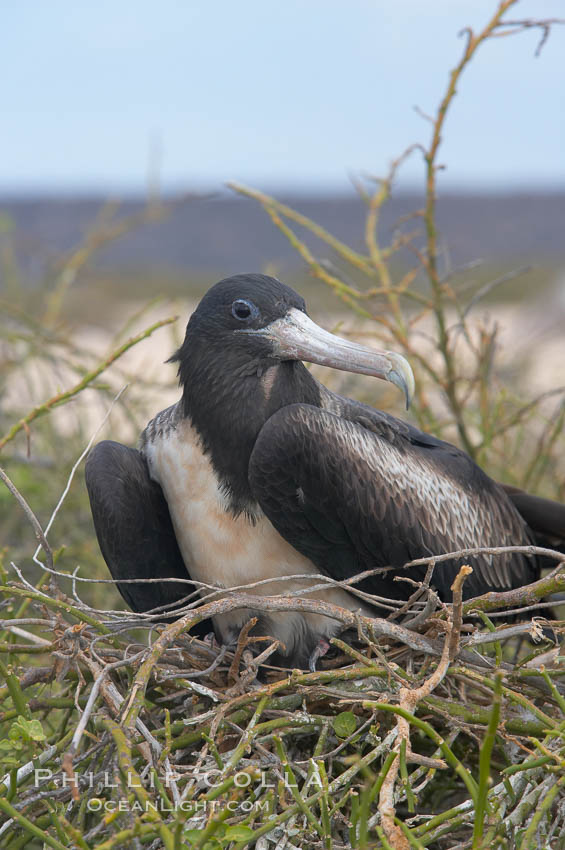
(295, 93)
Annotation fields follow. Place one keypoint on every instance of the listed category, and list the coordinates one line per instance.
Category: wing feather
(134, 528)
(353, 490)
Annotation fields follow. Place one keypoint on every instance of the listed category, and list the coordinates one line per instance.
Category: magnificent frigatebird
(259, 471)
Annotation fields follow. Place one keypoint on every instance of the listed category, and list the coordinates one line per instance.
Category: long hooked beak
(297, 337)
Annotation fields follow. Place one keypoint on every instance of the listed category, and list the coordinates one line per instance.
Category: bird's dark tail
(545, 517)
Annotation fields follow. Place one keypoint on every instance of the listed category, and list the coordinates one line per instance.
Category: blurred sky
(274, 93)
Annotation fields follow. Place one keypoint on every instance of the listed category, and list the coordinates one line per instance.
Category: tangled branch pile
(437, 736)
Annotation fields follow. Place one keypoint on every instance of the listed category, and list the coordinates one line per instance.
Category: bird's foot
(211, 644)
(321, 649)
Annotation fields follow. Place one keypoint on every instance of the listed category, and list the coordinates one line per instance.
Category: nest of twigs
(123, 732)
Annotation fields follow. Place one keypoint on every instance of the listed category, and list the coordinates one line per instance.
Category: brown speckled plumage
(260, 472)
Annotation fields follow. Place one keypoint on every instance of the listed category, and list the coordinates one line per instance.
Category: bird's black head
(241, 361)
(245, 302)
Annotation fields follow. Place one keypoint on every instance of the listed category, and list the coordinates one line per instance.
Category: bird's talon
(321, 649)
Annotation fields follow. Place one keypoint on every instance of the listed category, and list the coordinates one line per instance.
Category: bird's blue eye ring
(244, 310)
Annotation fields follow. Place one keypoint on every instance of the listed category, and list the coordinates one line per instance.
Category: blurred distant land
(223, 235)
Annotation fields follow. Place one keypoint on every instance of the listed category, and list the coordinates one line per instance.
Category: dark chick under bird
(259, 471)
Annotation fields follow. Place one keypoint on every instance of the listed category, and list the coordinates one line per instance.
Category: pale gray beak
(297, 337)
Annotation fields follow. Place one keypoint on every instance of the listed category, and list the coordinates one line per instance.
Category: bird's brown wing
(357, 490)
(134, 530)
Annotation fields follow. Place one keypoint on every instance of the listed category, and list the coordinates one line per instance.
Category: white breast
(226, 551)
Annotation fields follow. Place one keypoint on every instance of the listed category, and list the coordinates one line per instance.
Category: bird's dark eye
(243, 310)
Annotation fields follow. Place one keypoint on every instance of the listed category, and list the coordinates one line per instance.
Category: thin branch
(63, 397)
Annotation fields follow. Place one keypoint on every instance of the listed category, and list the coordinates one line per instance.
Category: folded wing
(134, 529)
(355, 489)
